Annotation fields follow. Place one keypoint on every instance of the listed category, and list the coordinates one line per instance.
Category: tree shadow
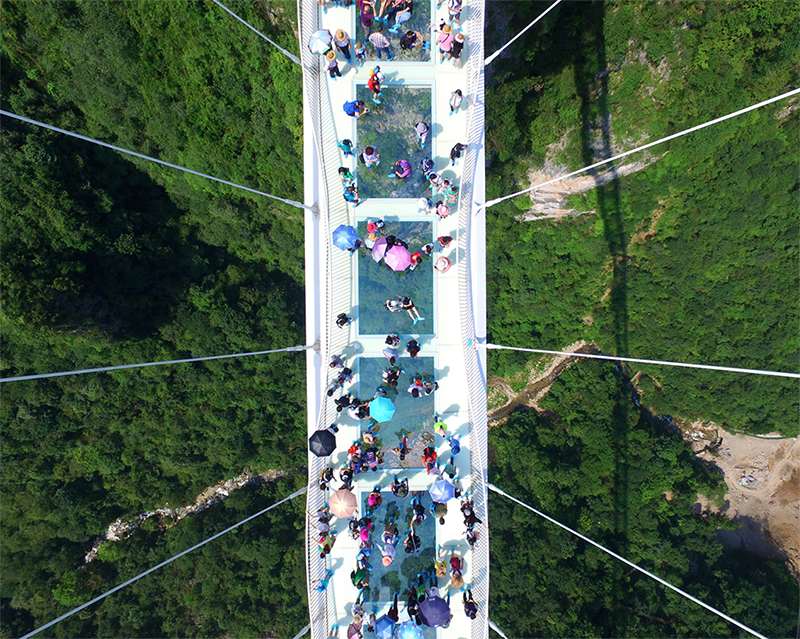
(591, 83)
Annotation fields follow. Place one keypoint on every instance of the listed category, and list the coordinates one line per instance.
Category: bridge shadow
(591, 82)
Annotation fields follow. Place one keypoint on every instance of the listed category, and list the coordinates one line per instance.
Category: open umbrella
(409, 630)
(320, 41)
(434, 612)
(322, 443)
(381, 409)
(344, 237)
(384, 627)
(343, 503)
(379, 249)
(398, 258)
(442, 491)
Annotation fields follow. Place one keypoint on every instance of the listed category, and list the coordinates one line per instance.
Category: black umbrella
(322, 443)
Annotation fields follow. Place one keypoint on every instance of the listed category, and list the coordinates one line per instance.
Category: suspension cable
(147, 157)
(308, 627)
(629, 563)
(172, 361)
(291, 56)
(164, 563)
(492, 624)
(491, 58)
(635, 360)
(646, 146)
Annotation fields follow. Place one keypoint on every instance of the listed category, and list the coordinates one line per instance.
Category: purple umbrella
(398, 258)
(434, 612)
(379, 249)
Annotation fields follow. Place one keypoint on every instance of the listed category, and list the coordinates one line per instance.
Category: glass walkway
(447, 288)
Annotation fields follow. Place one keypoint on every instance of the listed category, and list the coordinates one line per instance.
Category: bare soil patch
(763, 480)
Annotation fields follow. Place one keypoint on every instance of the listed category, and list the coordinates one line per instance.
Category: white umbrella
(320, 41)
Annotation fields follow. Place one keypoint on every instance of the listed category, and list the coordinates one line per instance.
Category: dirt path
(538, 383)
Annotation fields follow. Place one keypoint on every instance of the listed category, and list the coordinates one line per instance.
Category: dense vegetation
(108, 260)
(111, 261)
(695, 258)
(599, 464)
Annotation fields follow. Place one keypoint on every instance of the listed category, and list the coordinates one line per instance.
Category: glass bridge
(417, 87)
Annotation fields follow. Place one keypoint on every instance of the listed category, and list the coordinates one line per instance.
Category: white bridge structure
(451, 332)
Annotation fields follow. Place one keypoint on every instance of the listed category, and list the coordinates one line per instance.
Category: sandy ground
(768, 505)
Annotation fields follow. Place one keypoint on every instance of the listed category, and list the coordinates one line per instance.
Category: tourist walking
(347, 148)
(456, 151)
(456, 97)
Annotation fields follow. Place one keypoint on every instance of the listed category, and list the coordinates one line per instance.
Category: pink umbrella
(379, 249)
(398, 258)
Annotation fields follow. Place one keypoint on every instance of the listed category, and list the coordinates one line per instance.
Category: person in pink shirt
(446, 39)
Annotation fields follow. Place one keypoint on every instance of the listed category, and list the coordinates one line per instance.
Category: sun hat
(387, 561)
(460, 37)
(340, 34)
(371, 227)
(447, 28)
(442, 264)
(330, 55)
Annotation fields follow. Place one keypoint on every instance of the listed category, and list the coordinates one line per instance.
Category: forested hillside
(108, 261)
(696, 257)
(596, 462)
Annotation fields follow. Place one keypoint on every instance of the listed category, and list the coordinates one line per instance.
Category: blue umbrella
(381, 409)
(409, 630)
(442, 491)
(385, 627)
(344, 237)
(434, 612)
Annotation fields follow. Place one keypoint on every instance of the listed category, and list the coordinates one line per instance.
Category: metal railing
(476, 376)
(336, 291)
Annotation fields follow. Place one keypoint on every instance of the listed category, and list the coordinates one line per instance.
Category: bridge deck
(337, 285)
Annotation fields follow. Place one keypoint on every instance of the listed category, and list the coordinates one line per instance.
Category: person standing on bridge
(367, 14)
(370, 157)
(422, 129)
(374, 84)
(456, 97)
(381, 44)
(470, 607)
(333, 65)
(342, 42)
(454, 10)
(456, 151)
(458, 47)
(445, 41)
